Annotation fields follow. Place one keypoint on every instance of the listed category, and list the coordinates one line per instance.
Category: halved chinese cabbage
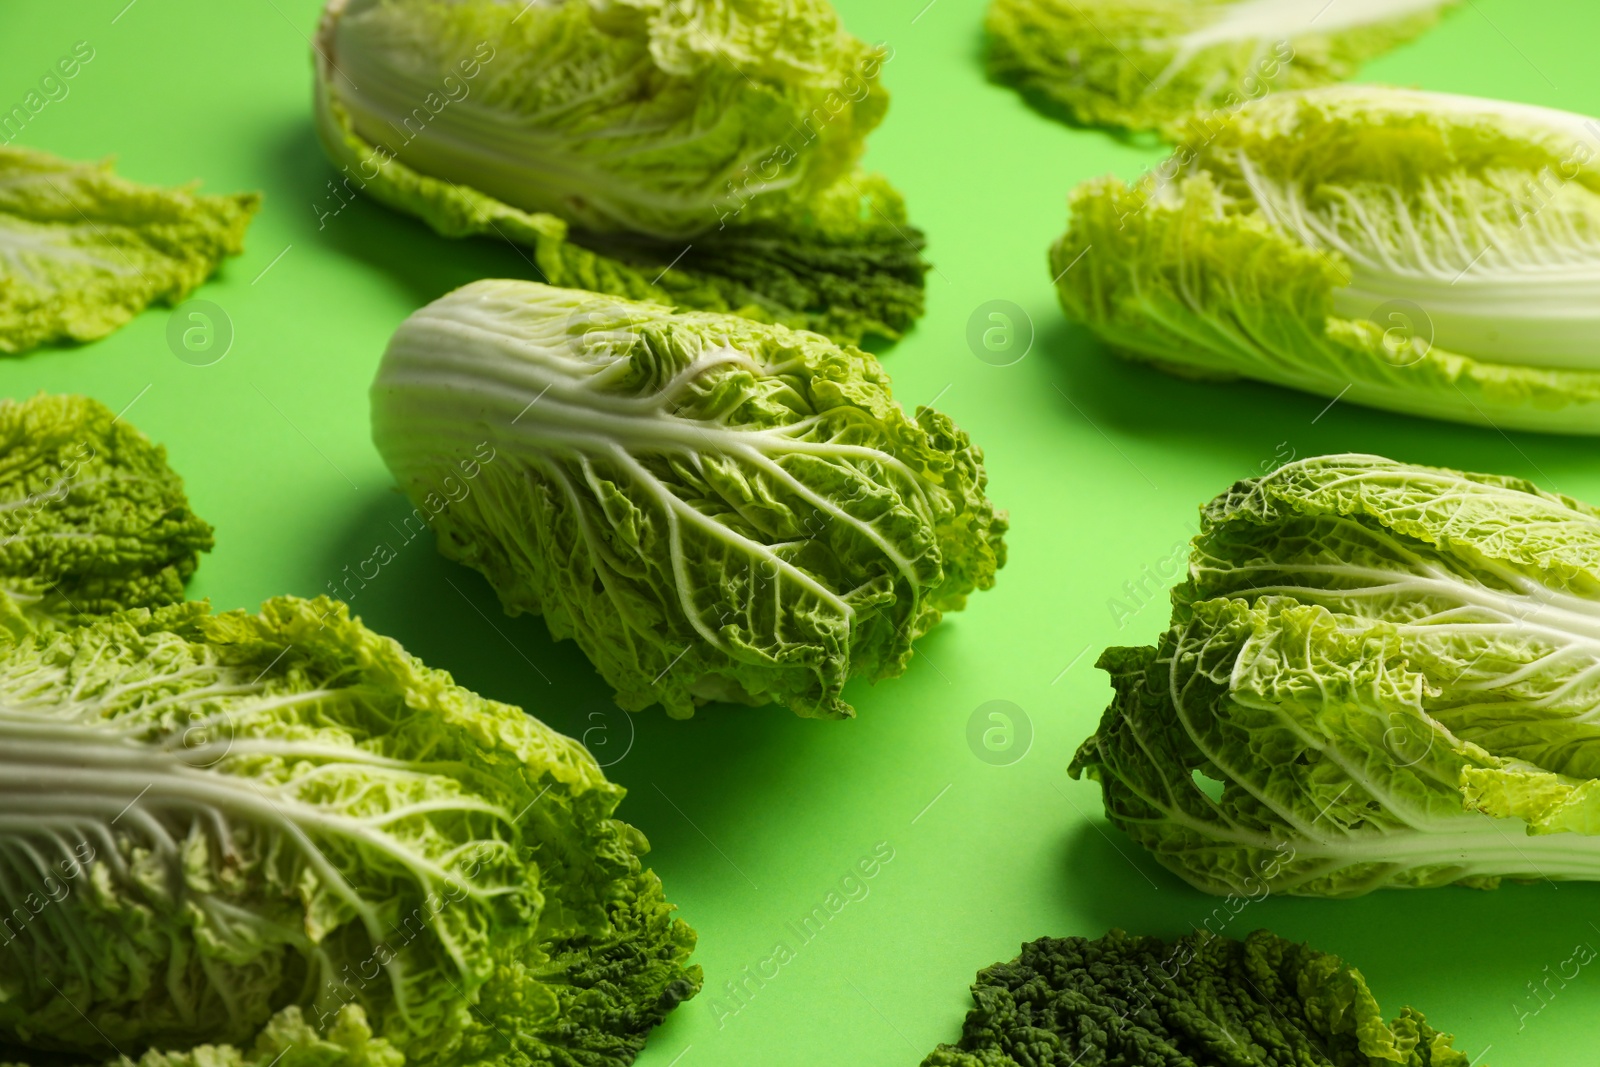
(1425, 253)
(713, 508)
(700, 153)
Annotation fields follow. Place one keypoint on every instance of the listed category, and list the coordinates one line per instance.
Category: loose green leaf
(246, 840)
(702, 155)
(713, 508)
(92, 520)
(82, 251)
(1125, 1001)
(1151, 64)
(1389, 670)
(1423, 253)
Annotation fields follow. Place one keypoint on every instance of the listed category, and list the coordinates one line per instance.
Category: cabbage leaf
(1377, 674)
(243, 840)
(82, 251)
(713, 508)
(1150, 64)
(92, 520)
(1128, 1001)
(701, 154)
(1430, 254)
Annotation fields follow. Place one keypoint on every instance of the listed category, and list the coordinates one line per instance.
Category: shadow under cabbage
(1254, 420)
(357, 227)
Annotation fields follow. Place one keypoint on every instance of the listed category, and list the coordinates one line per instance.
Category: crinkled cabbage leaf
(1424, 253)
(1151, 64)
(82, 251)
(702, 154)
(1128, 1001)
(1377, 674)
(92, 520)
(244, 840)
(713, 508)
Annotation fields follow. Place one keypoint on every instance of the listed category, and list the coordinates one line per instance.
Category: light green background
(754, 814)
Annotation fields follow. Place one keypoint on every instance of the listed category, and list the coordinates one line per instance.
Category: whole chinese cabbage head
(703, 151)
(713, 508)
(1377, 674)
(277, 840)
(1420, 252)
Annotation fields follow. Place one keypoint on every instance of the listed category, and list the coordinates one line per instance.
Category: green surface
(756, 815)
